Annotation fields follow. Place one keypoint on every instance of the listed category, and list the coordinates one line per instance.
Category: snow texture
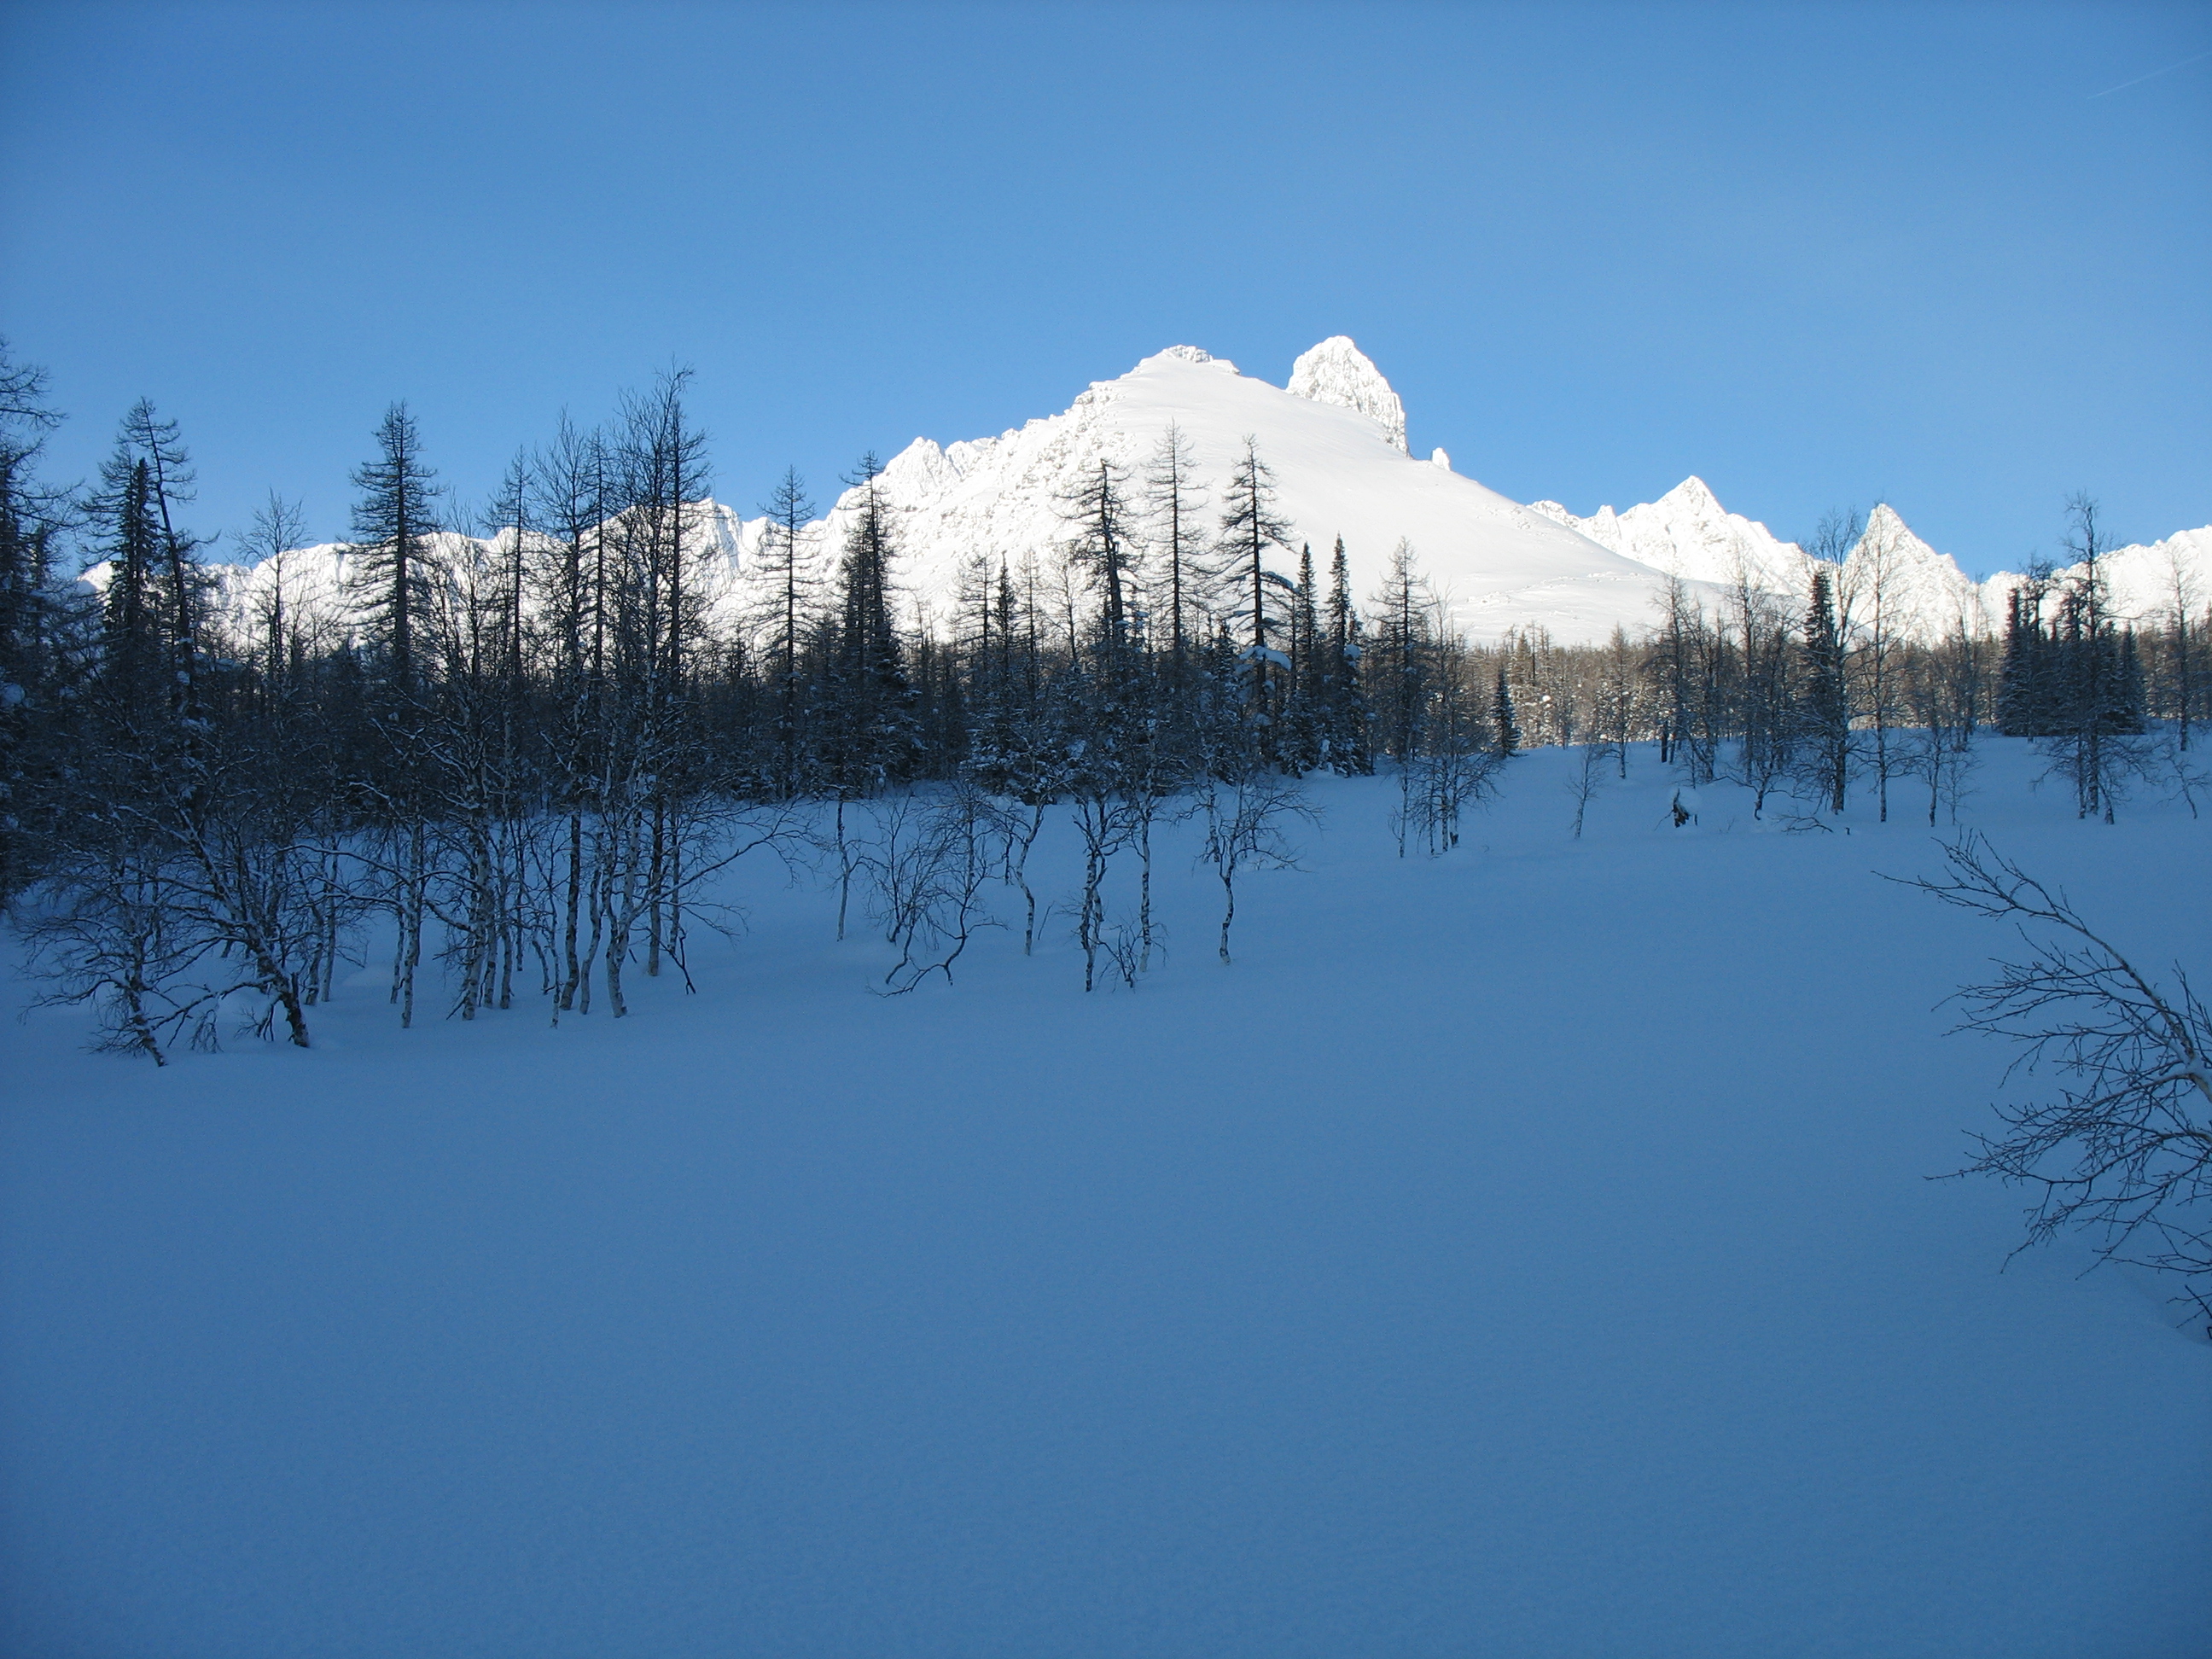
(1526, 1253)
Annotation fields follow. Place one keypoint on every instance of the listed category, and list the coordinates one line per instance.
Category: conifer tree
(1349, 749)
(1174, 504)
(1685, 660)
(2095, 675)
(1305, 701)
(134, 617)
(1101, 549)
(277, 530)
(787, 580)
(871, 730)
(1618, 705)
(1251, 524)
(169, 479)
(2181, 629)
(1824, 705)
(2027, 691)
(393, 523)
(31, 517)
(1399, 663)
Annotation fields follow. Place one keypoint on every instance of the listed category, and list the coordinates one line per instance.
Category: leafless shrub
(2124, 1153)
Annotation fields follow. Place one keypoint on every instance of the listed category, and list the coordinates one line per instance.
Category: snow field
(1524, 1252)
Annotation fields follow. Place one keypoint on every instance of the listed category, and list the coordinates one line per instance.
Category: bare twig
(2124, 1152)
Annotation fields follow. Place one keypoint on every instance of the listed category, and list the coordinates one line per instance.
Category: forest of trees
(518, 761)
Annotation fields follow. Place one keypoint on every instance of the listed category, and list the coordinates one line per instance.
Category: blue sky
(1815, 255)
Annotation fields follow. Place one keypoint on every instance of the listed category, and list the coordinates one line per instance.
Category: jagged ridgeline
(1336, 443)
(520, 750)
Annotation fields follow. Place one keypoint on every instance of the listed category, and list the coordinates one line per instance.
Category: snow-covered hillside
(1336, 439)
(1526, 1253)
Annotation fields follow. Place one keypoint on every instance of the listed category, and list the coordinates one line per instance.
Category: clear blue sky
(1814, 255)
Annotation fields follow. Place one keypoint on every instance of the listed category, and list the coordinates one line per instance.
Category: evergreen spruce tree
(2096, 701)
(2013, 677)
(1505, 740)
(33, 738)
(1824, 698)
(1306, 686)
(2129, 701)
(393, 523)
(1349, 749)
(871, 734)
(134, 644)
(2032, 675)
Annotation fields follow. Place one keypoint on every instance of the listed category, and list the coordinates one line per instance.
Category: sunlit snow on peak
(1338, 372)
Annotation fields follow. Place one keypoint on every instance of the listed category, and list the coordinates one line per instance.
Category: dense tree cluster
(523, 753)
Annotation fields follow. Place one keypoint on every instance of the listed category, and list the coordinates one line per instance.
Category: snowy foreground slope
(1523, 1253)
(1335, 436)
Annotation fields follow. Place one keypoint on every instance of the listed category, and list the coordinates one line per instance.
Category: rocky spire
(1337, 372)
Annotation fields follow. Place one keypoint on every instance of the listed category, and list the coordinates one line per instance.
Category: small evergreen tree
(1824, 698)
(1305, 695)
(1349, 748)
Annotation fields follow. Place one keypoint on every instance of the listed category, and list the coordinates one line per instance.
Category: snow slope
(1527, 1253)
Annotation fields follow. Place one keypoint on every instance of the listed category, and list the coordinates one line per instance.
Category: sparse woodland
(515, 774)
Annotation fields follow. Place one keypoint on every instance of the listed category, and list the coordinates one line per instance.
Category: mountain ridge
(1335, 435)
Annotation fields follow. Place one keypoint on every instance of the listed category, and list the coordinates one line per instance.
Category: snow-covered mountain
(1923, 593)
(1337, 451)
(2141, 580)
(1687, 533)
(1335, 438)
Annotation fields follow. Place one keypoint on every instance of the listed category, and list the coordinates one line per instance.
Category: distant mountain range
(1687, 533)
(1335, 438)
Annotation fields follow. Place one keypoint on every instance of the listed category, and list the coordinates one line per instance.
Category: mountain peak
(1886, 521)
(1693, 495)
(1338, 372)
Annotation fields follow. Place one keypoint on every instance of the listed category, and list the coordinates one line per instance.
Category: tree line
(520, 751)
